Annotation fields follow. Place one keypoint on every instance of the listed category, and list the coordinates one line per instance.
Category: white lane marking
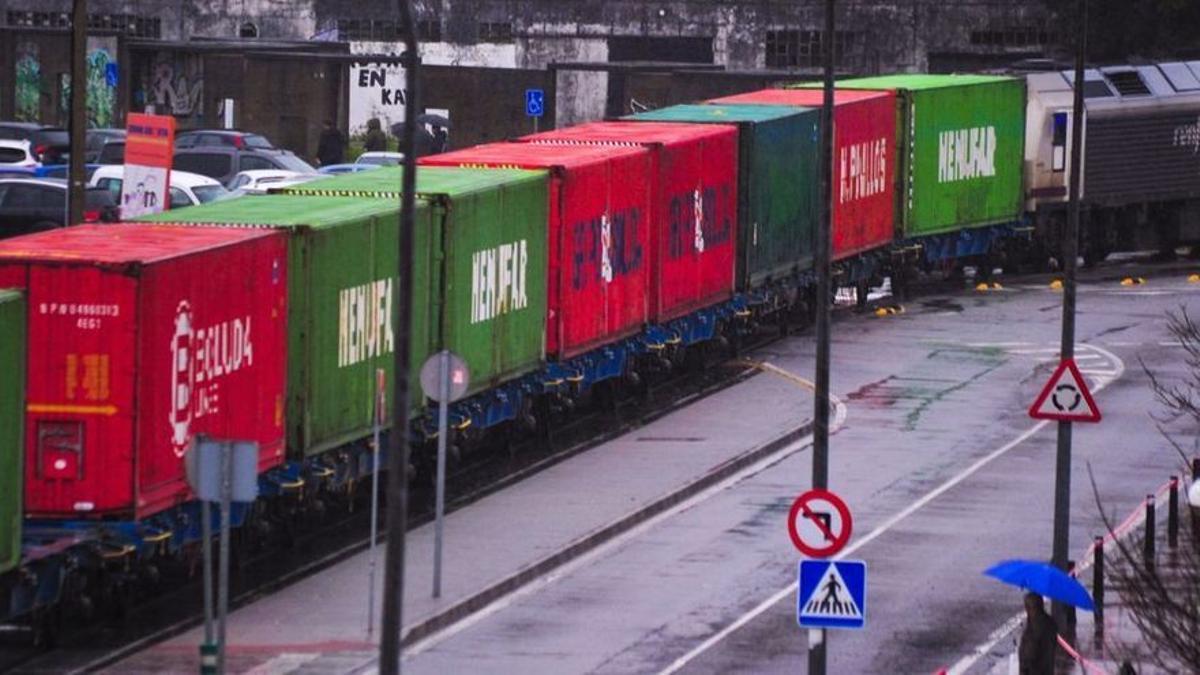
(284, 663)
(888, 524)
(839, 419)
(1027, 352)
(983, 648)
(1087, 357)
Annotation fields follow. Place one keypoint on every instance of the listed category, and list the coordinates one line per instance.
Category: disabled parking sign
(832, 594)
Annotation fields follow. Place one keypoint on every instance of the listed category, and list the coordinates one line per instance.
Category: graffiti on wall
(173, 84)
(27, 93)
(101, 90)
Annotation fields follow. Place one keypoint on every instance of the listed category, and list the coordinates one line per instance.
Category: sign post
(149, 144)
(1062, 470)
(445, 379)
(380, 402)
(224, 471)
(821, 301)
(535, 105)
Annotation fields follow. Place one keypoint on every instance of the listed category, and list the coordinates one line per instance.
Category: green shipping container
(12, 416)
(961, 148)
(492, 225)
(342, 262)
(778, 183)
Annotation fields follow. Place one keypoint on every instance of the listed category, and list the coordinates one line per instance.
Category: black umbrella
(423, 139)
(434, 120)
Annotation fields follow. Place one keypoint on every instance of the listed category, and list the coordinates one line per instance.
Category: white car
(17, 154)
(380, 158)
(261, 180)
(187, 189)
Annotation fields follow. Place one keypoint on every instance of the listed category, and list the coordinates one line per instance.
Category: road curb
(463, 608)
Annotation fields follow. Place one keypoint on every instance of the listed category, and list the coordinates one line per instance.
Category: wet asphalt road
(928, 394)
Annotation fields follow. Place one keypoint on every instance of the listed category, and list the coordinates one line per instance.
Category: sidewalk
(1121, 640)
(508, 539)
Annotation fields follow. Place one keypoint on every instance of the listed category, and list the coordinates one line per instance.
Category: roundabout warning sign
(819, 523)
(1066, 397)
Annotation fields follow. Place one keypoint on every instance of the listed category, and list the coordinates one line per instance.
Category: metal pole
(397, 488)
(223, 580)
(374, 501)
(817, 639)
(1098, 584)
(1148, 542)
(1173, 514)
(1062, 477)
(440, 499)
(206, 534)
(77, 183)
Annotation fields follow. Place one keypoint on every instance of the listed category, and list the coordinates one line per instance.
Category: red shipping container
(694, 193)
(599, 236)
(864, 142)
(145, 336)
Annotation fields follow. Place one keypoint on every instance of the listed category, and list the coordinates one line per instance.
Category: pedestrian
(1039, 640)
(331, 149)
(441, 139)
(376, 141)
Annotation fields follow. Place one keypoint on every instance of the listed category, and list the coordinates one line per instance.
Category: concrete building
(593, 57)
(891, 35)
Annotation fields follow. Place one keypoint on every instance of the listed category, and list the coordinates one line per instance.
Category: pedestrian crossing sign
(832, 594)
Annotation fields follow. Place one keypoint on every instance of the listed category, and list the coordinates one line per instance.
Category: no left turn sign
(819, 523)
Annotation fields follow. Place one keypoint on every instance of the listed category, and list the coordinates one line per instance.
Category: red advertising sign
(149, 149)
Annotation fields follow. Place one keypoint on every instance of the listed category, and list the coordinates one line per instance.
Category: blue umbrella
(1043, 579)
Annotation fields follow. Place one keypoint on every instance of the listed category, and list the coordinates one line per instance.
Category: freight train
(566, 266)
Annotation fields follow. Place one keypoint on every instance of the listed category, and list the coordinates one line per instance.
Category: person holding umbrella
(1039, 640)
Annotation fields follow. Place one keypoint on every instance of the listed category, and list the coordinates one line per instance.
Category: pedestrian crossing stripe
(832, 594)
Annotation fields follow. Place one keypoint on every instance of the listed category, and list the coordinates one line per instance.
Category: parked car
(380, 158)
(223, 163)
(61, 170)
(35, 204)
(51, 145)
(347, 168)
(203, 138)
(16, 154)
(97, 139)
(258, 182)
(113, 152)
(186, 189)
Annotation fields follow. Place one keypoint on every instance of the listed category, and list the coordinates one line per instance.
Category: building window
(129, 24)
(429, 30)
(495, 32)
(386, 30)
(248, 30)
(803, 48)
(1011, 37)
